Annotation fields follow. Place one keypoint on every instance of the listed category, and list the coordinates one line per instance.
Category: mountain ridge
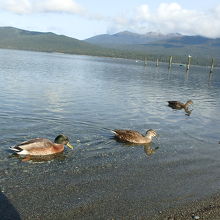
(202, 49)
(127, 37)
(15, 38)
(169, 44)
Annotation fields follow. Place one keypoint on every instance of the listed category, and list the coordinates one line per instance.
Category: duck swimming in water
(134, 136)
(179, 105)
(42, 146)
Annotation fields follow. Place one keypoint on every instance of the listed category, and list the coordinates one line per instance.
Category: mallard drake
(179, 105)
(42, 146)
(134, 136)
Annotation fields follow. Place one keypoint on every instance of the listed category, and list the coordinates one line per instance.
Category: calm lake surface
(45, 94)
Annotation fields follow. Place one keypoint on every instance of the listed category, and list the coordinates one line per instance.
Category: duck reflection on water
(149, 150)
(39, 159)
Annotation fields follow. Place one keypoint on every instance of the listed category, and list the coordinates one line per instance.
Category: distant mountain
(189, 41)
(121, 45)
(197, 46)
(160, 44)
(18, 39)
(14, 38)
(128, 38)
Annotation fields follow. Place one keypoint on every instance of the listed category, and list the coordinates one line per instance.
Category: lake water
(45, 94)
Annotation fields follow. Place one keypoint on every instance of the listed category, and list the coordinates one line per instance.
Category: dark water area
(45, 94)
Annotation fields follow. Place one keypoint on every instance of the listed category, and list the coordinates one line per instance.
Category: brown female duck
(42, 146)
(134, 136)
(179, 105)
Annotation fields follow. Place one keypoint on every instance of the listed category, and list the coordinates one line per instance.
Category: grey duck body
(134, 136)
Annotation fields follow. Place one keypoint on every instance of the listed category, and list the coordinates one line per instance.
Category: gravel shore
(208, 209)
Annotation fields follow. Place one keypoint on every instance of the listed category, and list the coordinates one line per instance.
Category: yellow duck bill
(69, 145)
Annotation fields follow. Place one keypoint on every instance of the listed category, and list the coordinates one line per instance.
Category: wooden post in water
(157, 62)
(170, 62)
(212, 66)
(189, 62)
(145, 61)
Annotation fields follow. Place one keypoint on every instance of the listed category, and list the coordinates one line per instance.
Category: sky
(82, 19)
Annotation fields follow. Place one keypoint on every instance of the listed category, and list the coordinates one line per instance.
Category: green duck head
(62, 139)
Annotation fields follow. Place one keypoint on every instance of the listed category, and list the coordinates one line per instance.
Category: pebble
(196, 217)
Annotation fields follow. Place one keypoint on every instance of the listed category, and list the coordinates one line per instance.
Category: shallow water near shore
(45, 94)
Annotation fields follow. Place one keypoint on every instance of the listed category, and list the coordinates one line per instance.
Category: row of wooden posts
(187, 64)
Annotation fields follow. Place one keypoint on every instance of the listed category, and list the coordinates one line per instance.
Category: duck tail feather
(15, 148)
(114, 132)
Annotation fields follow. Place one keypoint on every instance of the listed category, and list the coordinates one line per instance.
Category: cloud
(16, 6)
(170, 18)
(30, 6)
(142, 12)
(68, 6)
(167, 18)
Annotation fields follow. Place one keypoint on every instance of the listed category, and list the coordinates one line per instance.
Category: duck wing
(172, 102)
(36, 143)
(128, 135)
(175, 104)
